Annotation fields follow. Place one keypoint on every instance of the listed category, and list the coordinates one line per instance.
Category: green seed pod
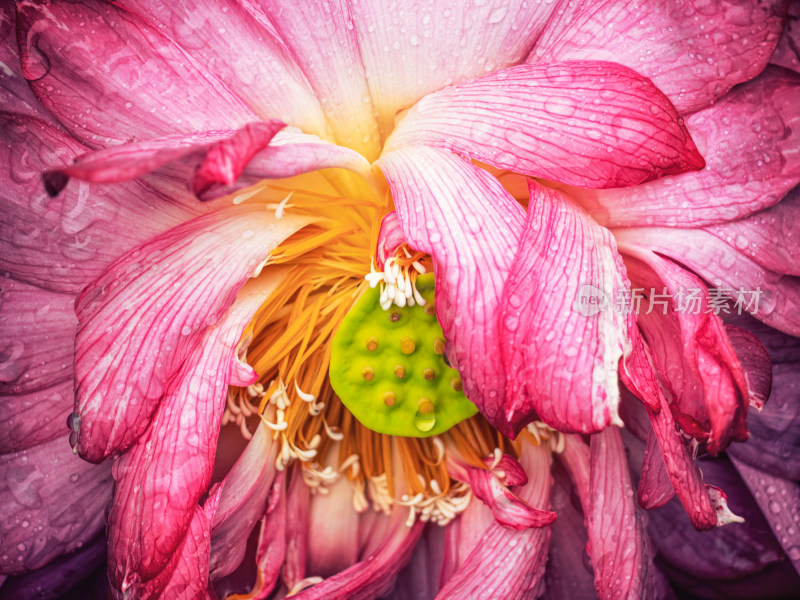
(389, 369)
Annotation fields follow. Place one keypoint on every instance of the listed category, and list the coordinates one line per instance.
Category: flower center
(291, 346)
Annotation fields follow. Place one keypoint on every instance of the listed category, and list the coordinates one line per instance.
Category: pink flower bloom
(602, 191)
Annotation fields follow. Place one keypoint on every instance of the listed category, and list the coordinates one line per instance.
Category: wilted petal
(297, 530)
(693, 51)
(770, 297)
(14, 89)
(749, 166)
(63, 244)
(470, 225)
(756, 364)
(161, 479)
(271, 549)
(150, 88)
(560, 353)
(408, 49)
(241, 47)
(655, 487)
(242, 502)
(142, 317)
(617, 539)
(419, 580)
(779, 501)
(690, 349)
(374, 576)
(37, 333)
(723, 552)
(59, 576)
(53, 503)
(542, 120)
(509, 563)
(569, 573)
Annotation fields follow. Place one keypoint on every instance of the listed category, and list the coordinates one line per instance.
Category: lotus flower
(225, 181)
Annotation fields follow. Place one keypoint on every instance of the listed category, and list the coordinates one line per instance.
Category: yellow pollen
(400, 371)
(372, 344)
(407, 345)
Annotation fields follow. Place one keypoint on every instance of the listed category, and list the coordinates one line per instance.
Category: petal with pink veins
(53, 503)
(147, 86)
(560, 353)
(146, 313)
(590, 124)
(242, 503)
(63, 244)
(298, 499)
(463, 218)
(506, 562)
(334, 71)
(617, 538)
(240, 46)
(37, 329)
(271, 549)
(409, 49)
(768, 296)
(222, 161)
(374, 576)
(693, 51)
(749, 166)
(767, 237)
(507, 507)
(162, 477)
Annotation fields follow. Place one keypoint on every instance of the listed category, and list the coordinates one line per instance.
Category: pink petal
(508, 509)
(222, 161)
(787, 53)
(333, 527)
(63, 244)
(589, 124)
(750, 164)
(576, 457)
(242, 502)
(767, 237)
(617, 542)
(726, 268)
(297, 530)
(335, 71)
(390, 237)
(655, 487)
(468, 223)
(690, 348)
(149, 87)
(420, 577)
(693, 51)
(374, 576)
(37, 329)
(225, 161)
(680, 466)
(161, 297)
(779, 501)
(241, 47)
(419, 47)
(162, 477)
(565, 258)
(52, 502)
(271, 550)
(509, 563)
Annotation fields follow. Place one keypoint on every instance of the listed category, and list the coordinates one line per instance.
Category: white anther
(256, 390)
(281, 425)
(315, 441)
(303, 584)
(350, 461)
(498, 456)
(245, 431)
(305, 397)
(333, 433)
(435, 487)
(418, 267)
(282, 206)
